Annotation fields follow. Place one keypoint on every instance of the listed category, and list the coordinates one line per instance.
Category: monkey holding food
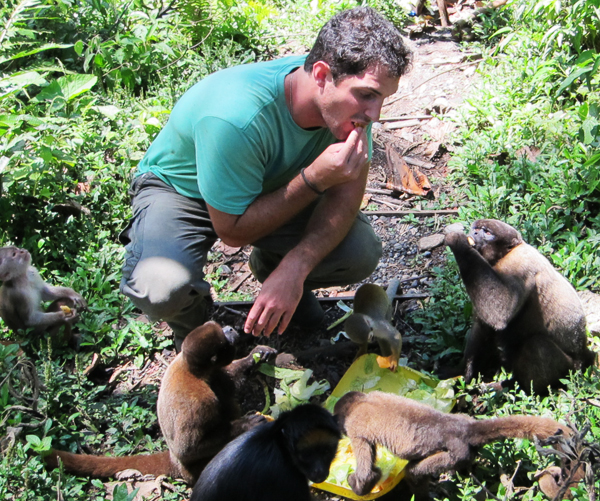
(23, 291)
(372, 318)
(528, 318)
(433, 442)
(197, 410)
(274, 461)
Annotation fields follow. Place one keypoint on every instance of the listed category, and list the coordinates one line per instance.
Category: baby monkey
(23, 291)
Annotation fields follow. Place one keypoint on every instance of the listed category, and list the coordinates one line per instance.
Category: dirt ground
(418, 122)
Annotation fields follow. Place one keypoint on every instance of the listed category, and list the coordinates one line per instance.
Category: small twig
(407, 212)
(398, 119)
(389, 204)
(191, 48)
(235, 312)
(379, 191)
(161, 359)
(487, 491)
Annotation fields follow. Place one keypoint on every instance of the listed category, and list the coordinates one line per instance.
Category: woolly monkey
(23, 291)
(433, 442)
(528, 318)
(273, 461)
(196, 408)
(371, 318)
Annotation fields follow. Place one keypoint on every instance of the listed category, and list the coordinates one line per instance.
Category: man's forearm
(264, 215)
(329, 224)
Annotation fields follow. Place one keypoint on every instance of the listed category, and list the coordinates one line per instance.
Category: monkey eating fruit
(23, 291)
(371, 318)
(433, 442)
(197, 410)
(528, 318)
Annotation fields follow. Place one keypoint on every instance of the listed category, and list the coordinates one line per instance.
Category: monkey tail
(108, 466)
(488, 430)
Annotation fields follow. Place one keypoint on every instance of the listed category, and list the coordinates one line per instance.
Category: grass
(82, 148)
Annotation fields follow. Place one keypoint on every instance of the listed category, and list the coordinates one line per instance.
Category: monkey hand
(456, 239)
(340, 162)
(71, 316)
(246, 423)
(262, 354)
(362, 486)
(77, 299)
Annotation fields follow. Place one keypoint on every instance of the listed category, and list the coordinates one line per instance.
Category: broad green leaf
(572, 77)
(75, 85)
(78, 47)
(33, 440)
(587, 127)
(44, 47)
(18, 82)
(10, 120)
(69, 87)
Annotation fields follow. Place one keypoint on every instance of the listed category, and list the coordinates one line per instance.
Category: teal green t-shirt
(231, 138)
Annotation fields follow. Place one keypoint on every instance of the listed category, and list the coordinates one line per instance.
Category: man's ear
(321, 72)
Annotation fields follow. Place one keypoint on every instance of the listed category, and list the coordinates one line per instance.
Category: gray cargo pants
(167, 243)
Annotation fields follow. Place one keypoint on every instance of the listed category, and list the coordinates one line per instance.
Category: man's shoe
(309, 313)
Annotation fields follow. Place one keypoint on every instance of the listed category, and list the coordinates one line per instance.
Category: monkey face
(314, 453)
(13, 262)
(494, 239)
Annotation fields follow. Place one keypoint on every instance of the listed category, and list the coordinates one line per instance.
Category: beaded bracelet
(309, 184)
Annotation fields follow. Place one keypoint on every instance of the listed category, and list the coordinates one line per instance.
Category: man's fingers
(271, 324)
(350, 144)
(254, 313)
(284, 322)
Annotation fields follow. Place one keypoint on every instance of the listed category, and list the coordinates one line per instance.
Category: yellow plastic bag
(365, 375)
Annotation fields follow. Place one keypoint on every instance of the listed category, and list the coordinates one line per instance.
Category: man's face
(355, 100)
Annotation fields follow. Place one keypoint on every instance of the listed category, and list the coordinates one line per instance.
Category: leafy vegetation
(86, 85)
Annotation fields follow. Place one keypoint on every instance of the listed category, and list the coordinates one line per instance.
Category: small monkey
(197, 410)
(528, 317)
(433, 442)
(23, 291)
(274, 461)
(372, 319)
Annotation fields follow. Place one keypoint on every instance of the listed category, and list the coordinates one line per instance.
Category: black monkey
(528, 317)
(273, 461)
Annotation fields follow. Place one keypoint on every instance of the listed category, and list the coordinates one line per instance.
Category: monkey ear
(516, 241)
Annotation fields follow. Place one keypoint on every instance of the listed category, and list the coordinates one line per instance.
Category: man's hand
(275, 304)
(340, 162)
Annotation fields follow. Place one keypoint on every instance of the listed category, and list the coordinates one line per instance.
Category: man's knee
(162, 287)
(362, 250)
(352, 261)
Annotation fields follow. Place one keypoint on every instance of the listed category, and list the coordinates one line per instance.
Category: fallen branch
(419, 163)
(398, 119)
(416, 212)
(399, 297)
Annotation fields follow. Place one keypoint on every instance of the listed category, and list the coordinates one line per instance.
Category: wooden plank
(398, 297)
(442, 212)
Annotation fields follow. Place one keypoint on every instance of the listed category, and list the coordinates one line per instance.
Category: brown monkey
(528, 318)
(197, 410)
(371, 318)
(23, 291)
(433, 442)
